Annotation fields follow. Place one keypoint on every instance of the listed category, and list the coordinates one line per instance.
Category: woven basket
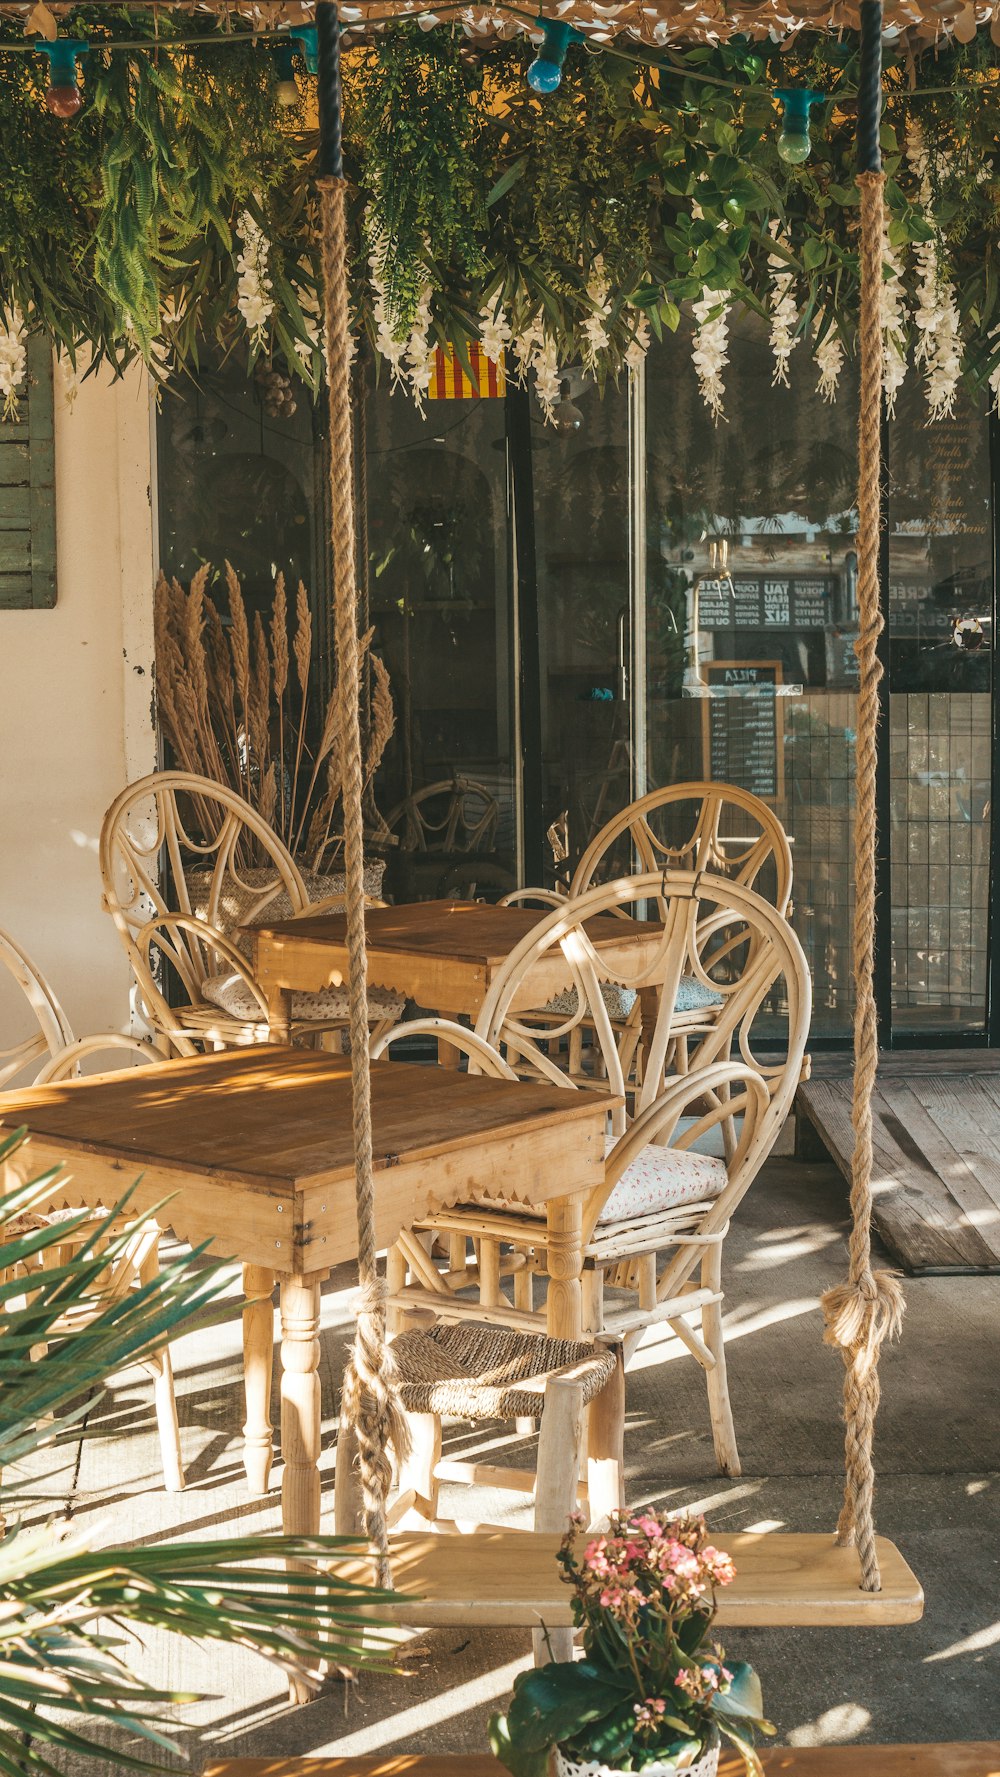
(706, 1766)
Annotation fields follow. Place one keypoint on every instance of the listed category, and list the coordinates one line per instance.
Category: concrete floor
(938, 1457)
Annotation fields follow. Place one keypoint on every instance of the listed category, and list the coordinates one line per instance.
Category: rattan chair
(663, 1209)
(187, 866)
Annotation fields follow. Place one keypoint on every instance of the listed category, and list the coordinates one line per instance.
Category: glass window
(440, 601)
(751, 573)
(940, 621)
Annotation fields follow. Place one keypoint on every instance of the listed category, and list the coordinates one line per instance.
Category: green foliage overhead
(582, 217)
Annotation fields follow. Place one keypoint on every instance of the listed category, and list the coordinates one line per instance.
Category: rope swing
(368, 1398)
(868, 1307)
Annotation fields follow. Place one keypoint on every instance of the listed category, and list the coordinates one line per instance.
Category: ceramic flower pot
(705, 1766)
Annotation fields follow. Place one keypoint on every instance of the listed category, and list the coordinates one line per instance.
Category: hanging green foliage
(178, 206)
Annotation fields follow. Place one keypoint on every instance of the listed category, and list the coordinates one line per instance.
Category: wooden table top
(462, 931)
(972, 1758)
(268, 1130)
(443, 955)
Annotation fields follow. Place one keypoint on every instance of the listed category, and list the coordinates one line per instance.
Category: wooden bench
(489, 1578)
(972, 1758)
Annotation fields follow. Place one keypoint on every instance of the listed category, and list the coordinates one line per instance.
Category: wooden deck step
(936, 1117)
(494, 1577)
(966, 1758)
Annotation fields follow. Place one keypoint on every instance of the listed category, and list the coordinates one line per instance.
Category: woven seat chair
(663, 1210)
(479, 1372)
(187, 866)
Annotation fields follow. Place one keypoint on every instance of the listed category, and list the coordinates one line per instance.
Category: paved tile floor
(938, 1457)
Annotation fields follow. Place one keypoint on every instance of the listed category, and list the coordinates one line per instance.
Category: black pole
(330, 159)
(869, 153)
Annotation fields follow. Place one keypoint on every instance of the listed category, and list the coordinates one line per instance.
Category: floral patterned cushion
(232, 996)
(659, 1179)
(663, 1178)
(692, 996)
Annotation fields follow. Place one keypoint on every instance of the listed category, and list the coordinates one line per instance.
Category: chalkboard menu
(760, 601)
(743, 736)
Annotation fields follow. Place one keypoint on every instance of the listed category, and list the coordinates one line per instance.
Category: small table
(256, 1147)
(444, 955)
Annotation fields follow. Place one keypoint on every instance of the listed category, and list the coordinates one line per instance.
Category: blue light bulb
(63, 97)
(794, 144)
(545, 72)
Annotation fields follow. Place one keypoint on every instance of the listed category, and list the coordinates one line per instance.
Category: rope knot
(862, 1313)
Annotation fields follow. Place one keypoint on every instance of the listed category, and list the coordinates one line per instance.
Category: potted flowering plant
(653, 1692)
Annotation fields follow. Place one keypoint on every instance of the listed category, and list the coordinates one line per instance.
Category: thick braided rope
(868, 1307)
(368, 1392)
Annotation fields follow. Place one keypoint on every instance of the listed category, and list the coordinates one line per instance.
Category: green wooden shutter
(27, 492)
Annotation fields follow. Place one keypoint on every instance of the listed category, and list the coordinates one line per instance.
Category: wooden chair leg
(606, 1446)
(593, 1300)
(163, 1389)
(348, 1501)
(417, 1471)
(395, 1280)
(489, 1271)
(166, 1419)
(555, 1488)
(723, 1430)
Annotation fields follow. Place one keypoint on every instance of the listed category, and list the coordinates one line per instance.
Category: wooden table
(255, 1145)
(971, 1758)
(442, 954)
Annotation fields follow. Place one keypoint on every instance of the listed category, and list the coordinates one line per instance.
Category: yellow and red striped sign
(449, 381)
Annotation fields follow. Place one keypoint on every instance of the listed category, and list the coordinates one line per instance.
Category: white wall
(76, 687)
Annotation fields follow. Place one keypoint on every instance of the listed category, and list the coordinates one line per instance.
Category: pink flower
(720, 1565)
(650, 1527)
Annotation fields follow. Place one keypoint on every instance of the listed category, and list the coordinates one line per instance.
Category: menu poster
(802, 601)
(742, 733)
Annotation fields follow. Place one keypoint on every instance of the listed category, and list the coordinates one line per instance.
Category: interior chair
(187, 867)
(480, 1372)
(653, 1232)
(23, 1054)
(694, 826)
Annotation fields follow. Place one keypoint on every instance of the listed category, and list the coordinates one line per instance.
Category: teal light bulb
(546, 70)
(794, 144)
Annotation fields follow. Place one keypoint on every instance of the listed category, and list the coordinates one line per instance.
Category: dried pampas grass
(235, 708)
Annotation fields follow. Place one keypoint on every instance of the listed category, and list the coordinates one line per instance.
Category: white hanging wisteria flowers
(936, 318)
(828, 358)
(638, 345)
(253, 289)
(595, 333)
(710, 349)
(784, 311)
(893, 327)
(420, 350)
(13, 358)
(494, 331)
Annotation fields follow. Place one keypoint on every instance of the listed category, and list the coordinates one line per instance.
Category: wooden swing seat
(505, 1577)
(956, 1758)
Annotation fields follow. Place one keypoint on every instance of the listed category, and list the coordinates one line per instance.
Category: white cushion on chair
(232, 996)
(663, 1178)
(692, 996)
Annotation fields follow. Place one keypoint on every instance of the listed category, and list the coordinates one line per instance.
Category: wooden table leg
(564, 1263)
(279, 1015)
(301, 1424)
(258, 1354)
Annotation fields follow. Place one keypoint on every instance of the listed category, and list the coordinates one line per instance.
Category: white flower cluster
(893, 328)
(595, 332)
(494, 331)
(710, 352)
(784, 313)
(411, 358)
(638, 345)
(13, 357)
(535, 350)
(314, 339)
(420, 350)
(253, 290)
(828, 359)
(939, 344)
(390, 348)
